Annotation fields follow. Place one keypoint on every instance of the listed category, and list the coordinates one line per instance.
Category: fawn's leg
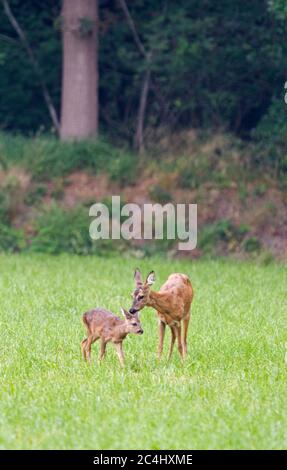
(161, 331)
(91, 339)
(120, 353)
(178, 336)
(184, 339)
(172, 340)
(88, 348)
(83, 347)
(102, 349)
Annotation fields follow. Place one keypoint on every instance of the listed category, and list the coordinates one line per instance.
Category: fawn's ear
(150, 278)
(125, 313)
(138, 277)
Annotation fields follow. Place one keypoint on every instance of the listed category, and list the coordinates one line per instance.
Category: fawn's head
(141, 293)
(132, 321)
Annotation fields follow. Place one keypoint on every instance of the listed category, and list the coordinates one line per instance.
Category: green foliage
(22, 107)
(59, 230)
(222, 231)
(220, 170)
(4, 206)
(86, 26)
(11, 239)
(35, 195)
(67, 231)
(121, 167)
(50, 158)
(270, 138)
(260, 189)
(9, 199)
(251, 244)
(195, 171)
(159, 194)
(58, 189)
(47, 157)
(190, 48)
(278, 8)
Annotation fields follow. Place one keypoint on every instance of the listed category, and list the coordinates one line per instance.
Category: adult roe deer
(101, 323)
(172, 304)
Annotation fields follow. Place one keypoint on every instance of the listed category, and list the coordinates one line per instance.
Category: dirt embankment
(263, 212)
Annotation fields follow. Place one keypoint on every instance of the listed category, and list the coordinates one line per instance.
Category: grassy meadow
(230, 393)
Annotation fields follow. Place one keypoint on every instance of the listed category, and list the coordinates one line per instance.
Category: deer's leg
(102, 349)
(120, 353)
(83, 347)
(172, 341)
(178, 336)
(91, 339)
(184, 339)
(161, 331)
(88, 348)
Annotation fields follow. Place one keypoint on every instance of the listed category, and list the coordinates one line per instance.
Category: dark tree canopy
(214, 64)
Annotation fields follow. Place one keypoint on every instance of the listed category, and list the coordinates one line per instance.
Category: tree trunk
(79, 113)
(139, 136)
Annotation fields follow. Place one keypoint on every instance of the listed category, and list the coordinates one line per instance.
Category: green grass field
(230, 393)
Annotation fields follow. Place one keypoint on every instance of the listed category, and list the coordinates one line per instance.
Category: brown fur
(104, 325)
(172, 303)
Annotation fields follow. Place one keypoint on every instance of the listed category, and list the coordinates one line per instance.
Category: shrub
(194, 172)
(270, 138)
(11, 239)
(35, 195)
(47, 157)
(222, 231)
(159, 194)
(122, 168)
(59, 230)
(4, 206)
(251, 244)
(10, 199)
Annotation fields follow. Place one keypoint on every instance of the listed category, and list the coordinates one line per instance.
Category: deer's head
(141, 293)
(133, 324)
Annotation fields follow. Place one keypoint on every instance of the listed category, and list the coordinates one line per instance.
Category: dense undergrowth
(34, 174)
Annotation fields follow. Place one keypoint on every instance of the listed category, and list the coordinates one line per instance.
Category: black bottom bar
(126, 459)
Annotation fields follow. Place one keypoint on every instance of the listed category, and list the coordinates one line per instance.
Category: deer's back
(180, 289)
(99, 319)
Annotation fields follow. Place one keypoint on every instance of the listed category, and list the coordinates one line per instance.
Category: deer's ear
(125, 313)
(150, 278)
(138, 277)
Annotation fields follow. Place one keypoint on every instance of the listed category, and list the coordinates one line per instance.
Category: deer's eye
(134, 324)
(140, 297)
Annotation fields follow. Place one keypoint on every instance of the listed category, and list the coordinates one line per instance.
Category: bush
(10, 199)
(251, 245)
(270, 138)
(122, 168)
(223, 231)
(159, 194)
(59, 230)
(47, 157)
(214, 159)
(11, 239)
(36, 195)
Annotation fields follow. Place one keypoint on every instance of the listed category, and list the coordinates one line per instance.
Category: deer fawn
(172, 304)
(101, 323)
